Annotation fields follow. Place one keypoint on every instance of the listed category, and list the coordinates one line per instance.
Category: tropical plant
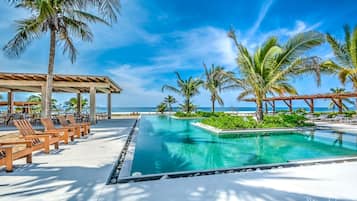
(345, 61)
(187, 88)
(38, 98)
(169, 100)
(64, 20)
(216, 80)
(71, 104)
(267, 71)
(162, 107)
(341, 102)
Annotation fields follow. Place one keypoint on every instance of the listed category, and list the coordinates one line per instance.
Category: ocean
(206, 109)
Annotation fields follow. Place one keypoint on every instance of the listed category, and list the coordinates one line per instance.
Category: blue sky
(155, 38)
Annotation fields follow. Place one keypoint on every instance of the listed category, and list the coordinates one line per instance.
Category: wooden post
(109, 105)
(79, 104)
(10, 102)
(43, 102)
(289, 104)
(338, 103)
(92, 114)
(310, 104)
(273, 106)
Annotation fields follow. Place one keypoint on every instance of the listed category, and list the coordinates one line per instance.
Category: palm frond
(353, 48)
(27, 31)
(339, 50)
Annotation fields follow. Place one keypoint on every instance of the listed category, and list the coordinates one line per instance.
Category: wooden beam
(10, 83)
(92, 113)
(104, 90)
(289, 104)
(109, 105)
(27, 89)
(67, 89)
(4, 89)
(80, 84)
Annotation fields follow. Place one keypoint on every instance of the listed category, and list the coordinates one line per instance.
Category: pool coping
(237, 131)
(250, 168)
(122, 168)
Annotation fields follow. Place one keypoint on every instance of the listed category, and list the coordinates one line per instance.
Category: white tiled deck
(79, 172)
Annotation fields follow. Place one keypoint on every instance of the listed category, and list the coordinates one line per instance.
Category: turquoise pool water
(169, 145)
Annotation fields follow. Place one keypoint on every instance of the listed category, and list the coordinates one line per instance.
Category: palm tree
(64, 20)
(71, 104)
(216, 80)
(267, 71)
(38, 98)
(169, 100)
(345, 61)
(162, 107)
(186, 88)
(332, 104)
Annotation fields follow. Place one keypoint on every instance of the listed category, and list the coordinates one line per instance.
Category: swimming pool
(166, 145)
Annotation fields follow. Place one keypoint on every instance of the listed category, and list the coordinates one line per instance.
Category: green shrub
(236, 122)
(185, 115)
(230, 122)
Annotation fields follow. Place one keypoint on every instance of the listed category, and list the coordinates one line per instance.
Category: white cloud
(262, 13)
(192, 47)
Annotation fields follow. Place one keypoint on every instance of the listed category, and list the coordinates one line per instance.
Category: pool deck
(80, 171)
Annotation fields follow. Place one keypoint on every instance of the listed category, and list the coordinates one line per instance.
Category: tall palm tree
(216, 80)
(268, 69)
(64, 20)
(186, 88)
(345, 61)
(169, 100)
(71, 104)
(332, 104)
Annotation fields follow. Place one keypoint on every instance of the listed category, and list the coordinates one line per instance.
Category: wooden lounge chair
(84, 126)
(8, 154)
(28, 133)
(64, 123)
(67, 133)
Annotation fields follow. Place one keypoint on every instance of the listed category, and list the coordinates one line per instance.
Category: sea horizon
(207, 109)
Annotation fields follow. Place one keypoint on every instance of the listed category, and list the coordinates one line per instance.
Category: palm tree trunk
(260, 114)
(213, 100)
(356, 100)
(49, 81)
(340, 107)
(188, 105)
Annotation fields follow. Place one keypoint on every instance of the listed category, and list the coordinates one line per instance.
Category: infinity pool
(169, 145)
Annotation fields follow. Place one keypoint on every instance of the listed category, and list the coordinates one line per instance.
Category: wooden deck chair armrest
(16, 142)
(48, 133)
(36, 136)
(63, 129)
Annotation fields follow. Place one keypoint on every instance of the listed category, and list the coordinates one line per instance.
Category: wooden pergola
(309, 100)
(78, 84)
(24, 104)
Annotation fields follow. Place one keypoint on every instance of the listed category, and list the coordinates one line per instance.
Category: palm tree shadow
(76, 182)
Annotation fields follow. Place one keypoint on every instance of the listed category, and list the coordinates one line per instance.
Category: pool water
(169, 145)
